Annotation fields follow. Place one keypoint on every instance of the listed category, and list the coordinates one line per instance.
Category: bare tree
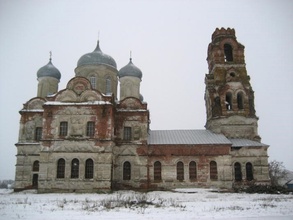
(277, 172)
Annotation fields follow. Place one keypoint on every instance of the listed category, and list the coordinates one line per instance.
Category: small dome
(96, 57)
(130, 70)
(49, 70)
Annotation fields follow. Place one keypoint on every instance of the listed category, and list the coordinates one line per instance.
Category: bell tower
(228, 95)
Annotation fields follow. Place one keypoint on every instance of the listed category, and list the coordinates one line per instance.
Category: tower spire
(50, 56)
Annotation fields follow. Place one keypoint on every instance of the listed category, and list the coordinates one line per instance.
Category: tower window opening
(228, 51)
(228, 101)
(93, 82)
(240, 100)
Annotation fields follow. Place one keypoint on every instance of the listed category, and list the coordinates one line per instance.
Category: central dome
(96, 57)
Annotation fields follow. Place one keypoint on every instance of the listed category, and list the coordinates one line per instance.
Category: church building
(83, 138)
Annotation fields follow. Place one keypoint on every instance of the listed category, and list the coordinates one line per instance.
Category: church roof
(246, 143)
(160, 137)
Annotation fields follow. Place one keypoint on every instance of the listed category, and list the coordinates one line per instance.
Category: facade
(84, 139)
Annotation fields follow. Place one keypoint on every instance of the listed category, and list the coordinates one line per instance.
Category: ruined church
(83, 138)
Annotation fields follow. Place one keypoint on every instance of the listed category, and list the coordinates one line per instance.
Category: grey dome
(96, 57)
(130, 70)
(49, 70)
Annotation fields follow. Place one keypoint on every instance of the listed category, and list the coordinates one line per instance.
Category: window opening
(228, 51)
(108, 85)
(74, 168)
(157, 170)
(240, 100)
(93, 81)
(38, 133)
(90, 128)
(237, 172)
(127, 133)
(126, 171)
(213, 170)
(63, 128)
(36, 166)
(35, 180)
(228, 101)
(249, 172)
(192, 170)
(89, 169)
(61, 168)
(180, 171)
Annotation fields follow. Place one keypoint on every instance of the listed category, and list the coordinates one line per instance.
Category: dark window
(157, 171)
(237, 171)
(108, 85)
(90, 128)
(63, 128)
(228, 101)
(61, 168)
(89, 169)
(240, 100)
(35, 180)
(38, 133)
(36, 166)
(228, 51)
(180, 171)
(126, 171)
(213, 170)
(127, 133)
(74, 168)
(249, 172)
(192, 170)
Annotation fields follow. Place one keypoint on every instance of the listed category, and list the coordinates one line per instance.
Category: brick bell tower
(228, 95)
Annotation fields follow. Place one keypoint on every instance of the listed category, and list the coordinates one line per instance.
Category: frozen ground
(182, 204)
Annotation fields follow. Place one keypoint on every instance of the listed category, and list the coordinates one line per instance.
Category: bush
(262, 189)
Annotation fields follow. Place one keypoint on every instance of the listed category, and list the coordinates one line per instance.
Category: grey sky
(168, 40)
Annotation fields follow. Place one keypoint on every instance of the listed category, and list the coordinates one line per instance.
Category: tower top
(229, 32)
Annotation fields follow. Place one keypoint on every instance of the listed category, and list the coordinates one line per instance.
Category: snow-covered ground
(182, 204)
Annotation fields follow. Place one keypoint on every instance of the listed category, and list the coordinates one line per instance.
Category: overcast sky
(168, 40)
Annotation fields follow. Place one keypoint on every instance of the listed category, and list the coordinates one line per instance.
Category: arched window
(228, 51)
(61, 168)
(249, 172)
(237, 171)
(108, 85)
(157, 171)
(89, 169)
(228, 101)
(93, 82)
(126, 171)
(36, 166)
(213, 170)
(74, 168)
(240, 100)
(192, 170)
(180, 171)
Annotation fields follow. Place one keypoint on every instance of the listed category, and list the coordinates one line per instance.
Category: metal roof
(246, 143)
(160, 137)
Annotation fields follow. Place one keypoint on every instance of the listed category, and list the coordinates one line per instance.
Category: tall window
(127, 133)
(249, 172)
(93, 81)
(108, 85)
(237, 171)
(126, 171)
(180, 171)
(61, 168)
(192, 170)
(213, 170)
(240, 100)
(63, 128)
(157, 171)
(90, 128)
(228, 101)
(35, 180)
(228, 51)
(74, 168)
(89, 169)
(38, 133)
(36, 166)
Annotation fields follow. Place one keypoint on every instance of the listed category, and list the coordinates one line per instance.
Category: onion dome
(141, 97)
(49, 70)
(130, 70)
(96, 57)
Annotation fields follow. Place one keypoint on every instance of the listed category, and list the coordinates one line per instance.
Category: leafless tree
(277, 172)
